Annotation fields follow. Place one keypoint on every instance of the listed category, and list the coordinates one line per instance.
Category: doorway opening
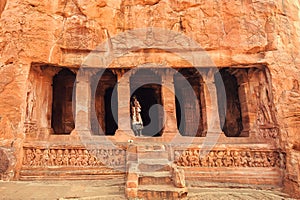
(230, 112)
(146, 87)
(62, 107)
(189, 102)
(104, 119)
(111, 110)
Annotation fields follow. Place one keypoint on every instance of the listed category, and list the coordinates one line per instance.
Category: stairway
(150, 174)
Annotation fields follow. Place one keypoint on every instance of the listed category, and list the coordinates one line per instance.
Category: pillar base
(169, 136)
(245, 133)
(82, 134)
(124, 135)
(45, 133)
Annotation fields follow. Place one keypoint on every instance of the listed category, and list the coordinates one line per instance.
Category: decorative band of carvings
(229, 158)
(34, 157)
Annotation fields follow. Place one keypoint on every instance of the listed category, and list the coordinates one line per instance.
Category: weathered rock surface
(234, 33)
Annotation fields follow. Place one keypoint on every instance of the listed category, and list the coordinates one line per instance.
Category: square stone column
(203, 108)
(248, 114)
(168, 99)
(211, 103)
(46, 95)
(124, 131)
(44, 103)
(83, 103)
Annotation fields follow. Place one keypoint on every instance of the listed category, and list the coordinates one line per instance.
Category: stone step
(155, 178)
(152, 165)
(155, 174)
(153, 168)
(250, 175)
(149, 180)
(153, 155)
(147, 148)
(154, 161)
(68, 173)
(69, 177)
(161, 192)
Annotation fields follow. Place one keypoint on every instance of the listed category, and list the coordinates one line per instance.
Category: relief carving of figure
(264, 160)
(52, 157)
(228, 161)
(236, 158)
(271, 159)
(66, 157)
(203, 161)
(257, 160)
(185, 158)
(59, 157)
(211, 159)
(79, 157)
(244, 159)
(137, 122)
(194, 158)
(45, 157)
(92, 160)
(29, 158)
(264, 97)
(73, 158)
(219, 160)
(38, 157)
(85, 158)
(31, 101)
(249, 158)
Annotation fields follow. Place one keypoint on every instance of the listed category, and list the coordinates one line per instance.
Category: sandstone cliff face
(233, 32)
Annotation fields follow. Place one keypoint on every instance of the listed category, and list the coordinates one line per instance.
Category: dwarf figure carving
(228, 160)
(211, 159)
(66, 157)
(29, 157)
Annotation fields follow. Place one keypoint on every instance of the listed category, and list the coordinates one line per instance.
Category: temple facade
(218, 93)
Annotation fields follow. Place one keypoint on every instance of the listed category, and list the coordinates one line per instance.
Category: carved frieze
(34, 157)
(229, 158)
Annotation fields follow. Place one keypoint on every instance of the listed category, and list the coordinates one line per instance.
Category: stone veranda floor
(114, 189)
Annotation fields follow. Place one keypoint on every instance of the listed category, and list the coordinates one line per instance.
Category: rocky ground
(114, 189)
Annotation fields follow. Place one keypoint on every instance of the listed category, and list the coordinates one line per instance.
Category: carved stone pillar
(45, 100)
(211, 103)
(83, 103)
(46, 95)
(168, 100)
(203, 108)
(124, 126)
(248, 115)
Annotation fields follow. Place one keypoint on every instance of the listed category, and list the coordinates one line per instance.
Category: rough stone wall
(242, 32)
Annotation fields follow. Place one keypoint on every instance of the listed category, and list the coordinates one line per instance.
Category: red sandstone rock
(234, 34)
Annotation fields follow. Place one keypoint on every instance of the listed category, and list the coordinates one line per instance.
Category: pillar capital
(241, 75)
(168, 76)
(209, 75)
(85, 74)
(122, 73)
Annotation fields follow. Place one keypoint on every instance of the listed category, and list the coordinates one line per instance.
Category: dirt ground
(114, 190)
